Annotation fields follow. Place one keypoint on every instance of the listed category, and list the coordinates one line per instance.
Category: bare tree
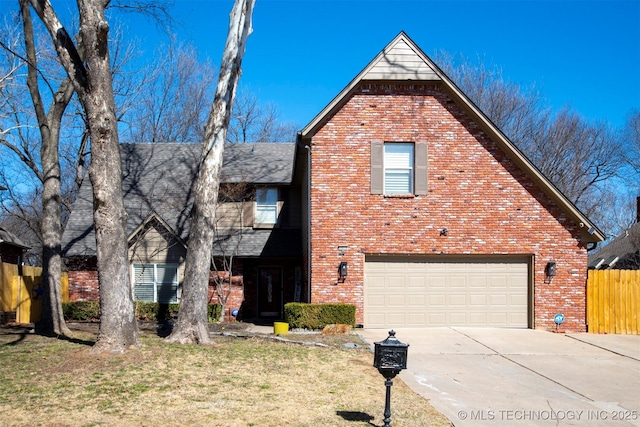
(631, 140)
(171, 105)
(92, 80)
(52, 319)
(192, 325)
(254, 122)
(581, 158)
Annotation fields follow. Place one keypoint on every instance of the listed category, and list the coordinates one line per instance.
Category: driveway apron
(511, 377)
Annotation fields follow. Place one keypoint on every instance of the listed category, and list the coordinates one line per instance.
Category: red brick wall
(487, 204)
(236, 291)
(83, 284)
(83, 279)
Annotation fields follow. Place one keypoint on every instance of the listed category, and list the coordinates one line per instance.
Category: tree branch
(67, 52)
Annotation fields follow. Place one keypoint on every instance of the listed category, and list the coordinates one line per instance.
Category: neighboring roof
(622, 252)
(157, 180)
(403, 60)
(9, 238)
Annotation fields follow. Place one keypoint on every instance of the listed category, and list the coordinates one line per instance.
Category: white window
(398, 168)
(266, 206)
(155, 282)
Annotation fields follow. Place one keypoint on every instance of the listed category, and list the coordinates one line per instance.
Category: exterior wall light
(551, 270)
(342, 271)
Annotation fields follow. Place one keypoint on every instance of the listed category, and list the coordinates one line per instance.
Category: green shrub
(160, 312)
(147, 311)
(81, 310)
(317, 316)
(213, 312)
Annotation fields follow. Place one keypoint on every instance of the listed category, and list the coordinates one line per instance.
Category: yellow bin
(280, 328)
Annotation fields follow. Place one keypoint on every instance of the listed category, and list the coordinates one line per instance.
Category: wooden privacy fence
(613, 301)
(20, 295)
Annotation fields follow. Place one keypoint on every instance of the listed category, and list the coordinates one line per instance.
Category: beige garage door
(470, 292)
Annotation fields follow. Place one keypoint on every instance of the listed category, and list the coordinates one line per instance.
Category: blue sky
(585, 54)
(302, 52)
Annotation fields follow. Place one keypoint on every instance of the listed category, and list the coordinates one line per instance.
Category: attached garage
(469, 291)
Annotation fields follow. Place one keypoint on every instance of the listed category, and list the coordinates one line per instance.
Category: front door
(270, 292)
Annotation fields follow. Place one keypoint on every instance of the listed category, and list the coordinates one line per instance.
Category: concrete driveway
(523, 377)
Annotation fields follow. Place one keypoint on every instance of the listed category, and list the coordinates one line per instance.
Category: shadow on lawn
(20, 334)
(356, 416)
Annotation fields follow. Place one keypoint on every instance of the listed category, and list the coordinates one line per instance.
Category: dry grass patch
(244, 382)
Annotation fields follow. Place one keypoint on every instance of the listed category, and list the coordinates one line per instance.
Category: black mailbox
(390, 356)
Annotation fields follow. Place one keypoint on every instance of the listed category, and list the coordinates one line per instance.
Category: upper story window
(399, 168)
(266, 212)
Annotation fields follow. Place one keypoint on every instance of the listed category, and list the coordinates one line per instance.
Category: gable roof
(403, 60)
(157, 182)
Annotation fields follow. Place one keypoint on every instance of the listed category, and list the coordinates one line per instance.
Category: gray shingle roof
(157, 180)
(622, 252)
(11, 239)
(285, 243)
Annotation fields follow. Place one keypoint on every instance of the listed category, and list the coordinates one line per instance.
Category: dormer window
(266, 210)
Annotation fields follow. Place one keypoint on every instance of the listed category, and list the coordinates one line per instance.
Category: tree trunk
(118, 325)
(93, 84)
(192, 324)
(52, 319)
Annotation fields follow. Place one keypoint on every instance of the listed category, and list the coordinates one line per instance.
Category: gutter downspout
(308, 148)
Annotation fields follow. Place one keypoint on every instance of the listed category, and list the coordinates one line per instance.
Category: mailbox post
(390, 357)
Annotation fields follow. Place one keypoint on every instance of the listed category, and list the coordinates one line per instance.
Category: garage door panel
(457, 300)
(436, 319)
(435, 282)
(437, 300)
(375, 301)
(396, 319)
(396, 301)
(479, 319)
(456, 282)
(416, 319)
(423, 293)
(417, 282)
(417, 301)
(498, 300)
(478, 300)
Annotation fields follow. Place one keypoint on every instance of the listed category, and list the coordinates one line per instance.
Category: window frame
(156, 283)
(258, 219)
(420, 171)
(398, 166)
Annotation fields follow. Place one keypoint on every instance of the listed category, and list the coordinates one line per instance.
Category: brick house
(257, 226)
(400, 197)
(440, 218)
